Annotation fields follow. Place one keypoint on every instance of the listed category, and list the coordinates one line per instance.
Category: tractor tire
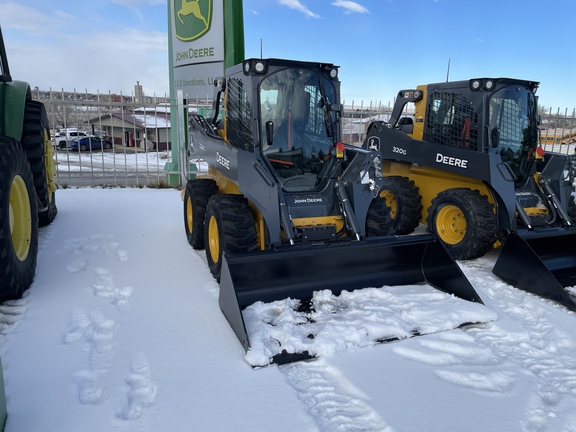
(18, 221)
(405, 203)
(40, 153)
(196, 197)
(230, 228)
(378, 219)
(464, 221)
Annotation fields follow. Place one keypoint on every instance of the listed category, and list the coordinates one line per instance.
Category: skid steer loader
(286, 208)
(27, 180)
(470, 152)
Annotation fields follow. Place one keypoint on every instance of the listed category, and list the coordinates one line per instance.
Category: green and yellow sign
(192, 18)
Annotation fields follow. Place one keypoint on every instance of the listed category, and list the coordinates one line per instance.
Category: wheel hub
(451, 224)
(213, 239)
(20, 218)
(390, 202)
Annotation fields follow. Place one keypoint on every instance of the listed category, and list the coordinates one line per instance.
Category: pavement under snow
(121, 331)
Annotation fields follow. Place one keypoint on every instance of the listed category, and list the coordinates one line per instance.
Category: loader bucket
(297, 271)
(542, 263)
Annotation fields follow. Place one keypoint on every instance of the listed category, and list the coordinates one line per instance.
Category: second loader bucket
(298, 271)
(542, 263)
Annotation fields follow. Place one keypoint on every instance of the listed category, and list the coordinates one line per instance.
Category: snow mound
(353, 320)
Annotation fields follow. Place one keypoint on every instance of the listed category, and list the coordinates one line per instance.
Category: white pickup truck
(62, 141)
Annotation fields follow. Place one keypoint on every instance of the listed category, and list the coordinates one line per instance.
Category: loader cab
(513, 128)
(298, 128)
(488, 115)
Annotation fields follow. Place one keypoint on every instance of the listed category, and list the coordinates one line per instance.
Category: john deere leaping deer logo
(192, 18)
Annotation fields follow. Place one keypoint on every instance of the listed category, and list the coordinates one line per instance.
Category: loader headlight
(254, 67)
(489, 85)
(333, 73)
(259, 67)
(476, 84)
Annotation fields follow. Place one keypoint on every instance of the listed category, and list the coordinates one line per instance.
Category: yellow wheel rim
(213, 239)
(189, 217)
(451, 224)
(20, 218)
(390, 202)
(50, 163)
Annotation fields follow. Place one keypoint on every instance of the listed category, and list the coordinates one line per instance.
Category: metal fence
(138, 129)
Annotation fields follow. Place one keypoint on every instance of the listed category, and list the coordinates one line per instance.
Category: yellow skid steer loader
(287, 209)
(470, 150)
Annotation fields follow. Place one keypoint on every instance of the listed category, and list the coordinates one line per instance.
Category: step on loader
(470, 151)
(287, 209)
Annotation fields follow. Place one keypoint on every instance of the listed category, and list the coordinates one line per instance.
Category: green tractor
(27, 181)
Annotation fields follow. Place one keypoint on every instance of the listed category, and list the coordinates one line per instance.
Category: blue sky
(382, 46)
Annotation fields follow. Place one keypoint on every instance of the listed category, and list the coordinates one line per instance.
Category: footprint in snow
(77, 265)
(95, 243)
(98, 333)
(142, 391)
(105, 287)
(79, 323)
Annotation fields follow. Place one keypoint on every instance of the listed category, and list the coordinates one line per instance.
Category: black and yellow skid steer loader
(471, 152)
(285, 208)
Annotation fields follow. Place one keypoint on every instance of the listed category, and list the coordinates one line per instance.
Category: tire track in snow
(333, 401)
(522, 340)
(538, 347)
(12, 311)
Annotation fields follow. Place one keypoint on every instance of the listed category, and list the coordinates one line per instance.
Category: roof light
(489, 85)
(476, 84)
(333, 73)
(259, 67)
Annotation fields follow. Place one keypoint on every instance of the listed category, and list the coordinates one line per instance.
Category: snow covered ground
(116, 159)
(121, 331)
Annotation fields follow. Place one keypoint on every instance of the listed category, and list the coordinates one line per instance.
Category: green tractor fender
(15, 95)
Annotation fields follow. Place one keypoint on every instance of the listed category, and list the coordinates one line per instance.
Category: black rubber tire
(83, 147)
(405, 202)
(230, 228)
(107, 146)
(196, 196)
(19, 240)
(464, 221)
(378, 219)
(39, 152)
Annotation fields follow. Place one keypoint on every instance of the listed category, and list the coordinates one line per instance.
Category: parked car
(92, 143)
(66, 136)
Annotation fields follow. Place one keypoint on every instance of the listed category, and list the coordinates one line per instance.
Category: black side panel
(296, 272)
(540, 265)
